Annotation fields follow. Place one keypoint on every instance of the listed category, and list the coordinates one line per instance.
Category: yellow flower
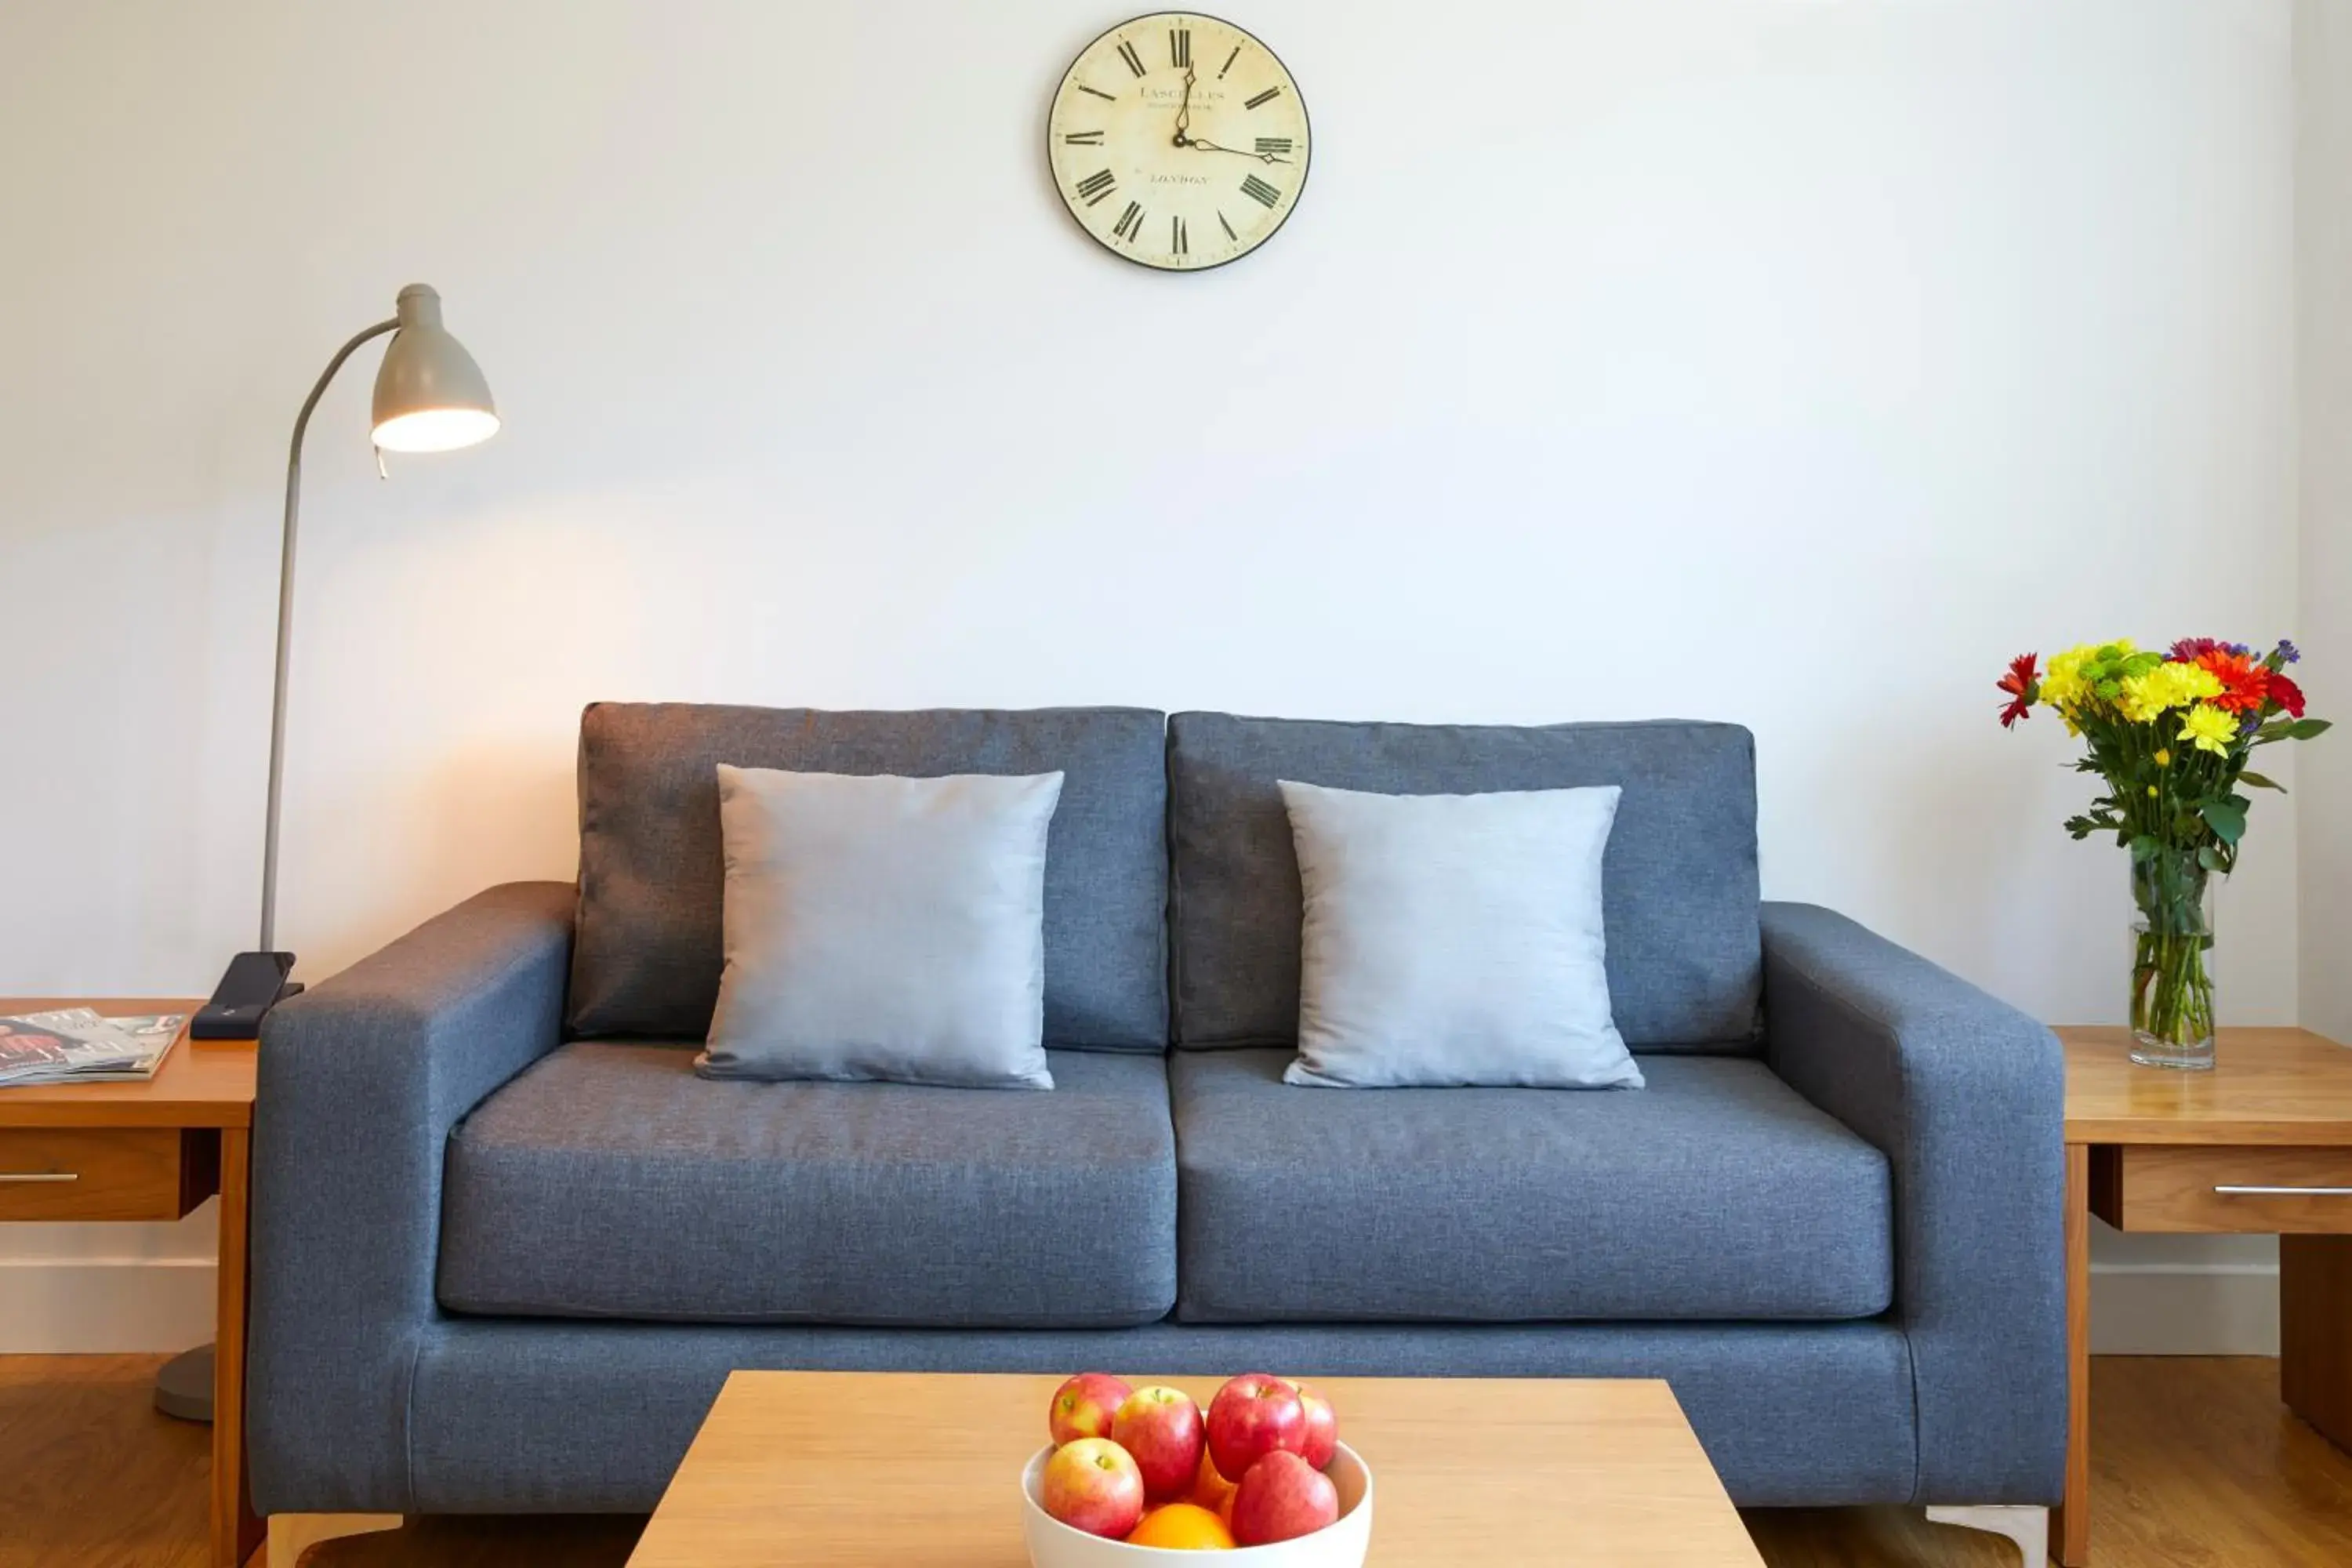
(2147, 696)
(2063, 686)
(2208, 728)
(2163, 758)
(2151, 792)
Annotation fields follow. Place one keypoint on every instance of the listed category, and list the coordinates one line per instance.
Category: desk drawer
(2226, 1191)
(105, 1172)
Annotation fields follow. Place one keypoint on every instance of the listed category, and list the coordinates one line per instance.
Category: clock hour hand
(1185, 112)
(1206, 146)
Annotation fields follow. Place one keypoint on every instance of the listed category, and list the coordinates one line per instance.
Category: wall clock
(1179, 141)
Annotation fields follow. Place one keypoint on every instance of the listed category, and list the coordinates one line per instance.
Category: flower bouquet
(2170, 734)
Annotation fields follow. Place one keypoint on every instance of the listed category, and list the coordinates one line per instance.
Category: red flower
(2188, 650)
(2286, 694)
(2023, 684)
(2245, 685)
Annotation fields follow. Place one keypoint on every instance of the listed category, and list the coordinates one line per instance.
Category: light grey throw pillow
(1453, 939)
(883, 927)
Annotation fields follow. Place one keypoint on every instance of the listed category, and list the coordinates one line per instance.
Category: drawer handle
(40, 1176)
(2285, 1192)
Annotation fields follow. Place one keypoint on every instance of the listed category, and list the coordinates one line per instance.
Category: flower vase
(2172, 948)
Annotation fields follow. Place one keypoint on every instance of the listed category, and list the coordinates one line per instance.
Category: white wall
(2324, 233)
(1792, 362)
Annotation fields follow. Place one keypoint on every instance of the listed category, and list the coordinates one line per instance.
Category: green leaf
(2226, 818)
(2307, 729)
(2147, 847)
(2211, 859)
(2259, 782)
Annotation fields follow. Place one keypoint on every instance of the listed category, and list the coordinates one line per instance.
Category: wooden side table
(2260, 1145)
(146, 1151)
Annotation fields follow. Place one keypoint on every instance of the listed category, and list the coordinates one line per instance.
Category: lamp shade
(430, 395)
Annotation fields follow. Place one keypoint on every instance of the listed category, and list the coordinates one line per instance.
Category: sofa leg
(292, 1534)
(2029, 1527)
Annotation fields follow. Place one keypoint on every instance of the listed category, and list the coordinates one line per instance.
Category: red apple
(1161, 1430)
(1283, 1498)
(1322, 1428)
(1083, 1407)
(1253, 1416)
(1093, 1485)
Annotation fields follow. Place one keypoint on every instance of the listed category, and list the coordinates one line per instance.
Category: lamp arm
(286, 629)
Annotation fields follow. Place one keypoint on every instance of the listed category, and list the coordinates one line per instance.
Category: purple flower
(2289, 652)
(2250, 720)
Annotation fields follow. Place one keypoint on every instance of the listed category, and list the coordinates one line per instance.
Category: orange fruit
(1183, 1527)
(1211, 1489)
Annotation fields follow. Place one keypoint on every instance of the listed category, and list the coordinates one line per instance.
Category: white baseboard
(2184, 1308)
(89, 1306)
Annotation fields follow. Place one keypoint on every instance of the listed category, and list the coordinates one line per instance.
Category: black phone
(256, 983)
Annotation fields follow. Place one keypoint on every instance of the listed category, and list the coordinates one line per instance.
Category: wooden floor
(2196, 1464)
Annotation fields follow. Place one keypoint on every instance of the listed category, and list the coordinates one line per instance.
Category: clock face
(1179, 140)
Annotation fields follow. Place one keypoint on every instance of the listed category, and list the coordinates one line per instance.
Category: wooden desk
(145, 1152)
(2263, 1145)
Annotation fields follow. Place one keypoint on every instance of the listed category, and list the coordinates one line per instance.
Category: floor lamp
(429, 397)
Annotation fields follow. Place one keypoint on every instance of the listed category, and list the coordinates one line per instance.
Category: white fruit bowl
(1340, 1544)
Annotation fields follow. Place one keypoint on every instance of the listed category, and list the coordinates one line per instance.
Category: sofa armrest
(361, 1078)
(1966, 1097)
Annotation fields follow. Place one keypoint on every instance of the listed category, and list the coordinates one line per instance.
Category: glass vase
(2172, 954)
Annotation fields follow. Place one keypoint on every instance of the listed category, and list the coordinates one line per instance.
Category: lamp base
(256, 983)
(183, 1388)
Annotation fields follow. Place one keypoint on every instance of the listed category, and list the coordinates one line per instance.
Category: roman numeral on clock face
(1229, 62)
(1228, 228)
(1099, 93)
(1268, 96)
(1258, 190)
(1095, 139)
(1134, 61)
(1095, 186)
(1130, 224)
(1176, 237)
(1266, 145)
(1180, 47)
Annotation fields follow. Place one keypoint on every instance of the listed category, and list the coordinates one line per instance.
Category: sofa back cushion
(1679, 888)
(647, 954)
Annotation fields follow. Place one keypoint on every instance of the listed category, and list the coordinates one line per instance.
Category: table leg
(234, 1530)
(2069, 1524)
(2316, 1332)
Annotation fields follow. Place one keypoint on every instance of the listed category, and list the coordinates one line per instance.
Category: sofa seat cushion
(1716, 1192)
(608, 1181)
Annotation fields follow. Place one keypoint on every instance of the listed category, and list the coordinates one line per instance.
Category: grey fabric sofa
(506, 1245)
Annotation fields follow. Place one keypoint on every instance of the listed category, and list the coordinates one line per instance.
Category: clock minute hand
(1207, 146)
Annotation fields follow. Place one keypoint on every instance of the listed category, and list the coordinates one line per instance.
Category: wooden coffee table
(1553, 1471)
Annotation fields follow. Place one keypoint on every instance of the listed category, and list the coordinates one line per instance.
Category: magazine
(75, 1044)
